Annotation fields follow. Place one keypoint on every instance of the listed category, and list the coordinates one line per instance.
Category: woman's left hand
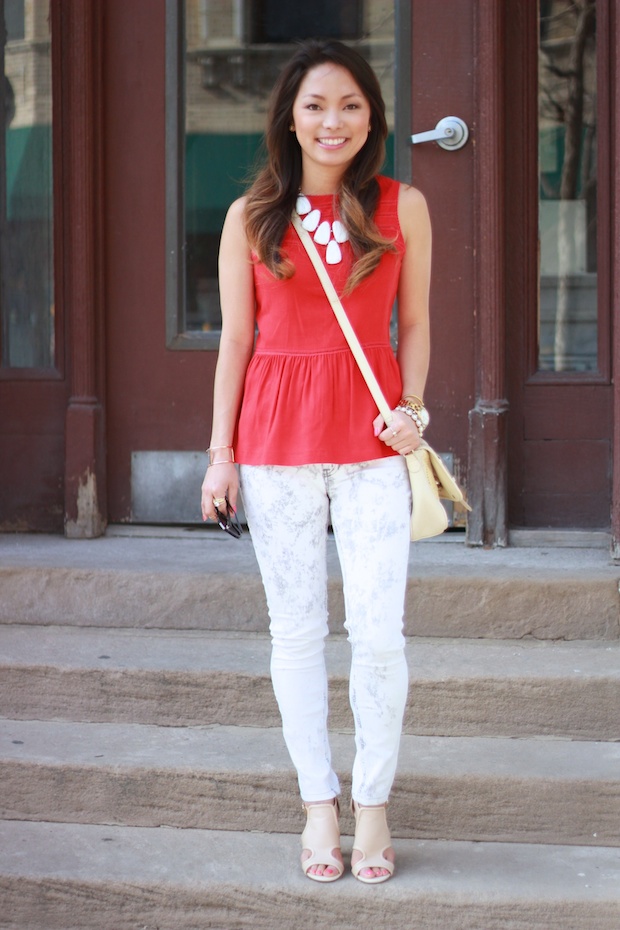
(401, 435)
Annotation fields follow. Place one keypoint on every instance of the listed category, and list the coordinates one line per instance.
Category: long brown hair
(271, 198)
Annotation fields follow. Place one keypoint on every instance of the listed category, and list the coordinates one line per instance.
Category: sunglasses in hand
(228, 521)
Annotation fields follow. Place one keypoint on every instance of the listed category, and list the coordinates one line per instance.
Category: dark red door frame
(486, 479)
(85, 496)
(615, 274)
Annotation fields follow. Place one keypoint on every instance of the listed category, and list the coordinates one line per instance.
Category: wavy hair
(271, 198)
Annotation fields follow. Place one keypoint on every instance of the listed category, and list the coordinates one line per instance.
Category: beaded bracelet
(414, 416)
(418, 408)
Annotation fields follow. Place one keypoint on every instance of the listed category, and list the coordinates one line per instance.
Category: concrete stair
(145, 783)
(68, 877)
(73, 877)
(457, 687)
(235, 778)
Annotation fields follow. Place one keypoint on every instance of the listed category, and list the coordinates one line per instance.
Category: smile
(339, 141)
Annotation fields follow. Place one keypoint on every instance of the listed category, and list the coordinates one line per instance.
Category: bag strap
(450, 488)
(343, 320)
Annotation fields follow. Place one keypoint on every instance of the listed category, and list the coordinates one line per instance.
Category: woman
(304, 429)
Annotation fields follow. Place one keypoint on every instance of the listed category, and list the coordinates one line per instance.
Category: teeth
(331, 141)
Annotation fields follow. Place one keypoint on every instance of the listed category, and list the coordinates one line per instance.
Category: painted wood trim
(614, 32)
(486, 481)
(84, 442)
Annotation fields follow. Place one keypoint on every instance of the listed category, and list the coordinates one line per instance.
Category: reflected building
(233, 54)
(27, 235)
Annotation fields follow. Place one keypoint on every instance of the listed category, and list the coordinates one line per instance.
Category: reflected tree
(566, 59)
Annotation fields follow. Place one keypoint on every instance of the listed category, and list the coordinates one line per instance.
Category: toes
(374, 873)
(322, 870)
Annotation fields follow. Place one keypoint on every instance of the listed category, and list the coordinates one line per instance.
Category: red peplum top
(304, 398)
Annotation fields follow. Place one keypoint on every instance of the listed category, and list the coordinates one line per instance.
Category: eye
(312, 106)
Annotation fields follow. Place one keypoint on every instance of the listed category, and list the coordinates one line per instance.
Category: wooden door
(490, 374)
(161, 290)
(558, 201)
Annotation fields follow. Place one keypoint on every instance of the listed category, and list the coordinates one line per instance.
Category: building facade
(130, 127)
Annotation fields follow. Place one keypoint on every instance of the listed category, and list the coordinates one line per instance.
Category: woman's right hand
(221, 480)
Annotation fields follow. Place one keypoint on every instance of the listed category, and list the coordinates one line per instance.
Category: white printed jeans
(288, 510)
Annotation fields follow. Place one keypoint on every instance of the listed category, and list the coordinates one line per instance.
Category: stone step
(212, 582)
(68, 877)
(457, 687)
(240, 778)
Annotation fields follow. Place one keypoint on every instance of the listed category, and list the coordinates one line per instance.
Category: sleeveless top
(304, 398)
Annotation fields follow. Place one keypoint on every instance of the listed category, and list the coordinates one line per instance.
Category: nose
(332, 119)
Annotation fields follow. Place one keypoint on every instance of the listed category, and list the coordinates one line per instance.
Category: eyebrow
(321, 97)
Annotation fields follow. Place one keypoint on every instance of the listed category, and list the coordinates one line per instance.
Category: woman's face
(331, 117)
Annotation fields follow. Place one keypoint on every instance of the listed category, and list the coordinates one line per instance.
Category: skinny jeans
(288, 509)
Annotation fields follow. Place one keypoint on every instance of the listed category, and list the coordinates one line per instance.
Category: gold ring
(218, 501)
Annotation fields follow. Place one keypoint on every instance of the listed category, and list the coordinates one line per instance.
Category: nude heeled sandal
(372, 838)
(321, 836)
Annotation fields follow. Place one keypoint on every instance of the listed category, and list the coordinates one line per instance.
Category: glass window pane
(26, 202)
(275, 21)
(233, 56)
(567, 122)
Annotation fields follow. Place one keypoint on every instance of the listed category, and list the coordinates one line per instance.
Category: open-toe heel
(372, 840)
(321, 836)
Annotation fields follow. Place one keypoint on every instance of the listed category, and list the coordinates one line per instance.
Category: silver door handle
(450, 133)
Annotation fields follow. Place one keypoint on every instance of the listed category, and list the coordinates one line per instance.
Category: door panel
(32, 455)
(561, 496)
(33, 389)
(574, 412)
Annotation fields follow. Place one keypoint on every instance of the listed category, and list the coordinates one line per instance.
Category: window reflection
(234, 50)
(567, 194)
(26, 206)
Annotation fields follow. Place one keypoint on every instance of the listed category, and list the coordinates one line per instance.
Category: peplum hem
(312, 408)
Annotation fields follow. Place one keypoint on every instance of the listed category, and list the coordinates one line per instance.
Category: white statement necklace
(323, 231)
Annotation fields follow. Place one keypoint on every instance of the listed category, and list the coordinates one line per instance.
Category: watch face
(424, 416)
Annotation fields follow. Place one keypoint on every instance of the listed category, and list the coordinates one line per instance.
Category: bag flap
(448, 488)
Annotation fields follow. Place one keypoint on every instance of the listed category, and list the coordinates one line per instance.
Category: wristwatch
(423, 414)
